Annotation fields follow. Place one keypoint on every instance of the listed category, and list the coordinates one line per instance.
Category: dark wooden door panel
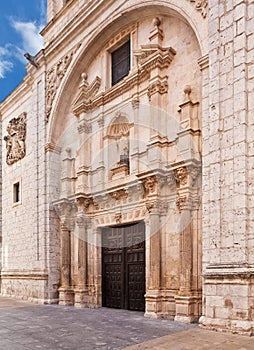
(123, 255)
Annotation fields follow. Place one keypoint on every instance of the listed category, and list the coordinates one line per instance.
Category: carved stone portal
(15, 140)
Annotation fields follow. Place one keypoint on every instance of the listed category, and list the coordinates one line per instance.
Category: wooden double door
(123, 267)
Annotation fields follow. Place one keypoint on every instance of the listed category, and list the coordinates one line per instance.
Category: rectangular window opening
(120, 62)
(16, 192)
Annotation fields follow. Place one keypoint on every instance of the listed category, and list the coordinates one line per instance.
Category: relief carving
(85, 127)
(150, 184)
(118, 218)
(54, 77)
(171, 181)
(181, 175)
(151, 205)
(180, 202)
(119, 195)
(193, 175)
(15, 140)
(201, 5)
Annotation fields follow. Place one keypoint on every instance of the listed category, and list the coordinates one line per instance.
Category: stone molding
(15, 140)
(25, 275)
(51, 147)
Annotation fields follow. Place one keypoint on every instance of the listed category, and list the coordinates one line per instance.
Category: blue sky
(20, 24)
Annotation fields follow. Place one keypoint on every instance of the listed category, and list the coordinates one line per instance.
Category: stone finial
(156, 22)
(187, 91)
(157, 35)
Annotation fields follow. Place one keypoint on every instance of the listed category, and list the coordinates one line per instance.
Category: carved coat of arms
(15, 140)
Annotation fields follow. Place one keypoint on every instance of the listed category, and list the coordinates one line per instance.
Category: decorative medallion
(15, 140)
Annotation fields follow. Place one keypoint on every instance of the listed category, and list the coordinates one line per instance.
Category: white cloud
(32, 41)
(5, 66)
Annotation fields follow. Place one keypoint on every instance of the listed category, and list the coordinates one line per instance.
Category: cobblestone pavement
(52, 327)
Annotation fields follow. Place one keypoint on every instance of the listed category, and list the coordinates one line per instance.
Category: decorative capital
(181, 175)
(150, 184)
(180, 202)
(159, 86)
(150, 206)
(84, 127)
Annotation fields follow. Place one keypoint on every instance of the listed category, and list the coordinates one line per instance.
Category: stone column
(81, 283)
(65, 291)
(187, 300)
(153, 262)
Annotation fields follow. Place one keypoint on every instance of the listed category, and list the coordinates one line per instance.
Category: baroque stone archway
(136, 157)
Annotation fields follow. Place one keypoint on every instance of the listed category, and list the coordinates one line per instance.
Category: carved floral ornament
(201, 5)
(186, 175)
(15, 140)
(54, 77)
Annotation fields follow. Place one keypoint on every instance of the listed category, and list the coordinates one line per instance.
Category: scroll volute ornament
(15, 140)
(201, 5)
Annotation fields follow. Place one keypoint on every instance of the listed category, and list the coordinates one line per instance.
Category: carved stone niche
(118, 138)
(15, 140)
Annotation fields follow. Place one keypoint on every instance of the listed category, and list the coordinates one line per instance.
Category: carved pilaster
(65, 257)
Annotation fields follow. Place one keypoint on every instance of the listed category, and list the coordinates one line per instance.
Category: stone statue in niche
(15, 140)
(124, 151)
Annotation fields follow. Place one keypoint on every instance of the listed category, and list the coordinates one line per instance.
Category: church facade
(127, 162)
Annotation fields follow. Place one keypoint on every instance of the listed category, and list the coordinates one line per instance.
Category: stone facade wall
(70, 171)
(227, 140)
(26, 254)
